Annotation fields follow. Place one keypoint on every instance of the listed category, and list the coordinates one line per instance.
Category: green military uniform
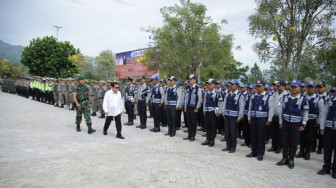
(92, 93)
(70, 89)
(81, 93)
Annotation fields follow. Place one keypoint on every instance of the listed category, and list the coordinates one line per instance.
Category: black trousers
(129, 110)
(258, 127)
(290, 134)
(329, 148)
(157, 111)
(210, 120)
(164, 116)
(191, 119)
(276, 134)
(318, 137)
(246, 131)
(307, 136)
(240, 129)
(142, 112)
(117, 123)
(220, 123)
(178, 118)
(231, 132)
(185, 118)
(200, 120)
(171, 118)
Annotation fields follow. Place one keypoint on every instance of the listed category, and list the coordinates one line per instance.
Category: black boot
(78, 129)
(93, 114)
(62, 106)
(206, 142)
(90, 130)
(130, 123)
(284, 160)
(301, 154)
(292, 152)
(102, 116)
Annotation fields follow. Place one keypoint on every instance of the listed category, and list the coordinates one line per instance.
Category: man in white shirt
(113, 107)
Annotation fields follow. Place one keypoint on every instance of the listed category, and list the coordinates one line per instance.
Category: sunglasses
(116, 87)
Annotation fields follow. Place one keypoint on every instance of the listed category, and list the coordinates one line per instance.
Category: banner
(127, 65)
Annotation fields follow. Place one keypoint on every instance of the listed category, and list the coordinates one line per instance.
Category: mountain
(10, 52)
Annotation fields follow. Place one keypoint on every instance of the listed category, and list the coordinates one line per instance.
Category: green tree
(49, 57)
(254, 74)
(291, 30)
(105, 65)
(81, 62)
(188, 43)
(18, 70)
(4, 67)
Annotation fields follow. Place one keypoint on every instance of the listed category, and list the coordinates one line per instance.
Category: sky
(97, 25)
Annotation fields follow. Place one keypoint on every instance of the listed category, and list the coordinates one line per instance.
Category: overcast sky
(96, 25)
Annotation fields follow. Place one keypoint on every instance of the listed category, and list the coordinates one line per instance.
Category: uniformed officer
(130, 92)
(55, 92)
(142, 100)
(92, 93)
(61, 87)
(193, 101)
(246, 127)
(211, 111)
(328, 130)
(316, 105)
(225, 91)
(240, 126)
(233, 110)
(163, 83)
(173, 104)
(294, 117)
(279, 92)
(83, 102)
(321, 90)
(100, 96)
(260, 114)
(157, 96)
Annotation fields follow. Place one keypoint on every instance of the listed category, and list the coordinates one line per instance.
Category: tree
(188, 42)
(81, 62)
(18, 70)
(291, 30)
(254, 75)
(4, 67)
(106, 63)
(49, 57)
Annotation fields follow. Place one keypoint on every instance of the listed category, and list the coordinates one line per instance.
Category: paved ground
(40, 148)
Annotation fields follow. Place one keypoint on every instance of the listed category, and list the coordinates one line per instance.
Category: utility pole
(57, 28)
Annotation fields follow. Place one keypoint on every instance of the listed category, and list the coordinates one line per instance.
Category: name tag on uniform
(286, 99)
(279, 103)
(260, 108)
(299, 102)
(236, 97)
(265, 97)
(316, 100)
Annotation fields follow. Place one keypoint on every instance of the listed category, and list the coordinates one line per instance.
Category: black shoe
(125, 123)
(319, 152)
(101, 116)
(172, 135)
(271, 149)
(251, 155)
(185, 131)
(291, 164)
(206, 142)
(260, 158)
(139, 126)
(120, 137)
(105, 133)
(152, 129)
(204, 135)
(144, 127)
(93, 114)
(164, 125)
(62, 106)
(226, 149)
(130, 123)
(307, 156)
(300, 155)
(323, 171)
(232, 150)
(243, 144)
(156, 130)
(278, 151)
(90, 130)
(333, 175)
(186, 138)
(212, 143)
(192, 139)
(72, 108)
(282, 162)
(78, 129)
(167, 134)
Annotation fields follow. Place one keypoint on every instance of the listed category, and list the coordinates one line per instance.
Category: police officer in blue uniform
(142, 100)
(157, 96)
(233, 110)
(328, 130)
(294, 117)
(173, 105)
(321, 91)
(246, 126)
(130, 92)
(260, 114)
(211, 112)
(193, 100)
(316, 105)
(163, 83)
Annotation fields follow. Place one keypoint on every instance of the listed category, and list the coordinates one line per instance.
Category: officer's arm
(149, 96)
(163, 95)
(199, 96)
(179, 98)
(75, 98)
(324, 114)
(321, 110)
(224, 104)
(241, 107)
(204, 104)
(270, 109)
(305, 113)
(249, 110)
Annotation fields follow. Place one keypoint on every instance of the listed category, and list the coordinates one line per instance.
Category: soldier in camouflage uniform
(55, 92)
(83, 102)
(100, 96)
(92, 93)
(71, 88)
(60, 90)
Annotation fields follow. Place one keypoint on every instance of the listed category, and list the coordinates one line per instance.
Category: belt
(276, 115)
